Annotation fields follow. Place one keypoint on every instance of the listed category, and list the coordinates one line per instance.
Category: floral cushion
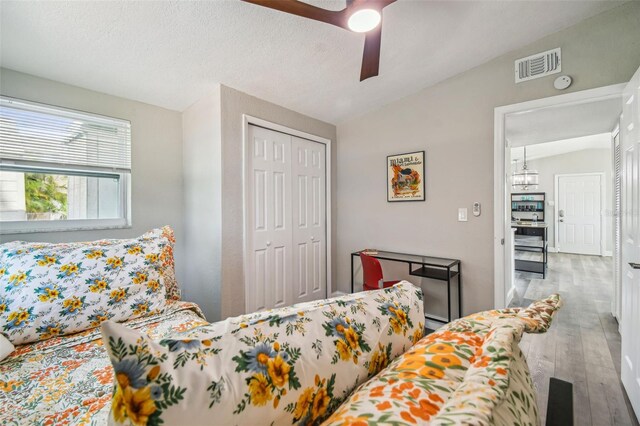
(470, 371)
(280, 367)
(49, 290)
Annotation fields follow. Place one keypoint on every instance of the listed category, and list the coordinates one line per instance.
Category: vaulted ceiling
(562, 122)
(170, 53)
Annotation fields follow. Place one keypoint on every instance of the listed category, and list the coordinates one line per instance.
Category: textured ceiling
(562, 122)
(566, 146)
(170, 53)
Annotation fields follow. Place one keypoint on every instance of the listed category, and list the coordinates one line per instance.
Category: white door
(269, 217)
(579, 214)
(630, 324)
(309, 218)
(286, 253)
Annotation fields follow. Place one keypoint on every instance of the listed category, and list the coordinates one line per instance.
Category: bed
(69, 379)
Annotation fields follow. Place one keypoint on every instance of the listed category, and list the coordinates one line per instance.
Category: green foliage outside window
(45, 193)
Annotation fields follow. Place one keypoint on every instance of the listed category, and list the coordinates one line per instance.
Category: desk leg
(351, 273)
(459, 291)
(449, 294)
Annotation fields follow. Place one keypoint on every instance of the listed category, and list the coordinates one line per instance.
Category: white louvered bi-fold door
(286, 217)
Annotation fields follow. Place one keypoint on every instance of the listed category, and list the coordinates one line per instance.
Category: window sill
(31, 227)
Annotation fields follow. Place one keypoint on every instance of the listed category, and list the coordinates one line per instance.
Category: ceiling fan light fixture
(364, 20)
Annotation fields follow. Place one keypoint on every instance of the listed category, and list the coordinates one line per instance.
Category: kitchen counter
(529, 225)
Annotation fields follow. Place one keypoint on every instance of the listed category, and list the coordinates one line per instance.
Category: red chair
(372, 273)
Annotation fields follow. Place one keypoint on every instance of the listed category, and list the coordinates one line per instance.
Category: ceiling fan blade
(371, 54)
(375, 4)
(306, 10)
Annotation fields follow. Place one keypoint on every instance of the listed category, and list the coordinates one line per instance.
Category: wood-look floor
(583, 344)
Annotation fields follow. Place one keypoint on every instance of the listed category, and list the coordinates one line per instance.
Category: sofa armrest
(539, 315)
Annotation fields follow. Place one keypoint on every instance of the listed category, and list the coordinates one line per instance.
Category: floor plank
(583, 344)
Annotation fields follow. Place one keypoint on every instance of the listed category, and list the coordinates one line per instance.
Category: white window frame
(37, 226)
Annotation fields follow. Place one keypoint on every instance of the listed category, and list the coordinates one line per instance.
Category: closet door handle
(313, 238)
(268, 243)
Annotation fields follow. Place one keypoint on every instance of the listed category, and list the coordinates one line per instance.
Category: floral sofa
(302, 365)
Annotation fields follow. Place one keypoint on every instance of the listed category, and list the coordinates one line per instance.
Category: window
(62, 169)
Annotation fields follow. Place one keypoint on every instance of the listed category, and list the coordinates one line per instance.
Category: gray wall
(453, 122)
(234, 105)
(156, 157)
(202, 151)
(585, 161)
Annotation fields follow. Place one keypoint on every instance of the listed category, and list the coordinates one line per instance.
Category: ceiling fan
(360, 16)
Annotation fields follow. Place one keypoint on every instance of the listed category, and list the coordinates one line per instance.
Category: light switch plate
(462, 214)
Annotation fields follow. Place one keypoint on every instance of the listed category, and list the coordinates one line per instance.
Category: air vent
(538, 65)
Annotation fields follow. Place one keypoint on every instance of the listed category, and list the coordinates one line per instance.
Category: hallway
(583, 344)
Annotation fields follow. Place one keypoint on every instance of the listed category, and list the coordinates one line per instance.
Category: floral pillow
(286, 368)
(49, 290)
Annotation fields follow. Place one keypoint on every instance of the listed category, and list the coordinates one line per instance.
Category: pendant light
(524, 179)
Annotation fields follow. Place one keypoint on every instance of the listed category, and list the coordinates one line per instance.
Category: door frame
(603, 199)
(248, 120)
(503, 286)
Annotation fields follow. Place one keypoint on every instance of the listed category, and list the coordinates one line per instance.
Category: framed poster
(405, 177)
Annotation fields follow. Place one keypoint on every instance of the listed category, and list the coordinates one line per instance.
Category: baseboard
(607, 253)
(552, 250)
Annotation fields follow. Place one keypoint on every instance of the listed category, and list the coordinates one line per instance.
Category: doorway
(541, 127)
(597, 289)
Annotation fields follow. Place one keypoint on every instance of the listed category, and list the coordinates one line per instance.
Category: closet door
(309, 220)
(269, 231)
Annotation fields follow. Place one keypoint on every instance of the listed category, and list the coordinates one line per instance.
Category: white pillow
(48, 290)
(294, 366)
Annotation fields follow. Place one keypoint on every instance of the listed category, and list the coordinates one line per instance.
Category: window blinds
(34, 135)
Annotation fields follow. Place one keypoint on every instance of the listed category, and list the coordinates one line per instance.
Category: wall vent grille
(538, 65)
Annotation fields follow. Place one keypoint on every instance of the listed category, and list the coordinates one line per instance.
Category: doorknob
(560, 220)
(313, 238)
(268, 243)
(634, 265)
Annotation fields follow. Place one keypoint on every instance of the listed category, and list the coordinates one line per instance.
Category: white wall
(156, 157)
(585, 161)
(453, 122)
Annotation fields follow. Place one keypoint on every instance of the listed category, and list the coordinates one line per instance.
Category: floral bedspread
(469, 372)
(69, 380)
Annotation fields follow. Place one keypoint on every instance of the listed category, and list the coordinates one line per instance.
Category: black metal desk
(436, 268)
